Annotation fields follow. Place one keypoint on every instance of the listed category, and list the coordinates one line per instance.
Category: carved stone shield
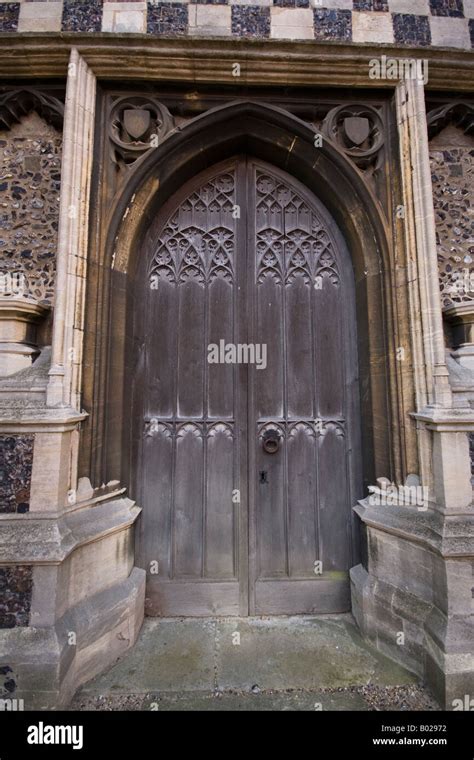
(357, 129)
(136, 121)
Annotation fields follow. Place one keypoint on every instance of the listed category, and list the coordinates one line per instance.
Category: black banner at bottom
(135, 734)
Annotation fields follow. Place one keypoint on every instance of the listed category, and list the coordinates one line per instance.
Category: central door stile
(242, 264)
(252, 337)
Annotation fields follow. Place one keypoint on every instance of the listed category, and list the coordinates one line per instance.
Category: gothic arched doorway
(244, 341)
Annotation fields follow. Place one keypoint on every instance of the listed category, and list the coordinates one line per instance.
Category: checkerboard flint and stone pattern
(415, 23)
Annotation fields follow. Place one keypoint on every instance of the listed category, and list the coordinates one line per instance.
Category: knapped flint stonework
(447, 8)
(167, 18)
(371, 5)
(332, 24)
(16, 586)
(291, 3)
(9, 14)
(82, 16)
(16, 462)
(453, 178)
(29, 196)
(440, 23)
(409, 29)
(250, 21)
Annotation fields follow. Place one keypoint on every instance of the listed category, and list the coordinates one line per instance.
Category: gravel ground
(382, 698)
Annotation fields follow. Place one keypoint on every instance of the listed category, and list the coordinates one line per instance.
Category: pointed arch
(279, 138)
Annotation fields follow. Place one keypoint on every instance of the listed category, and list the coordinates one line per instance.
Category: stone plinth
(18, 321)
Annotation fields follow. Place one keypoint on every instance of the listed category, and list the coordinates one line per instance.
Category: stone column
(424, 618)
(66, 550)
(78, 143)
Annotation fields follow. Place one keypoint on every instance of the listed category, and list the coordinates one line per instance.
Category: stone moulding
(450, 539)
(47, 539)
(267, 62)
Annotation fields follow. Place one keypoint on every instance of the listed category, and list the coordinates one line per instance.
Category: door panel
(245, 254)
(301, 494)
(190, 460)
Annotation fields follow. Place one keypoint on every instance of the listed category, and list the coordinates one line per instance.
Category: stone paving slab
(277, 653)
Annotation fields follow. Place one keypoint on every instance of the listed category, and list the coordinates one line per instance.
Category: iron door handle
(271, 440)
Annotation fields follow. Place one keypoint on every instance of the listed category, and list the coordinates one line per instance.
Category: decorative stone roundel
(358, 130)
(136, 125)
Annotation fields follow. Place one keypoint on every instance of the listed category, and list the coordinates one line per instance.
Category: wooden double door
(245, 399)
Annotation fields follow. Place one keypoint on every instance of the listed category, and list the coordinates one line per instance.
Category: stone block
(51, 470)
(414, 7)
(211, 20)
(124, 17)
(469, 8)
(292, 23)
(40, 17)
(372, 27)
(450, 32)
(452, 468)
(329, 4)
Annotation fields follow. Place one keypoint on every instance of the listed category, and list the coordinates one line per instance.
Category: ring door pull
(271, 441)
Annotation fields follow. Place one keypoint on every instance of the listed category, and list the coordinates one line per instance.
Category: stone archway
(278, 137)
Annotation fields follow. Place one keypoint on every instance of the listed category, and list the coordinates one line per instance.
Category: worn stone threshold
(254, 663)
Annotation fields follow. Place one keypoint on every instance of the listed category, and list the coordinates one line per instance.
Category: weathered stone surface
(210, 19)
(449, 32)
(123, 18)
(294, 25)
(276, 653)
(54, 538)
(412, 589)
(49, 667)
(372, 27)
(40, 16)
